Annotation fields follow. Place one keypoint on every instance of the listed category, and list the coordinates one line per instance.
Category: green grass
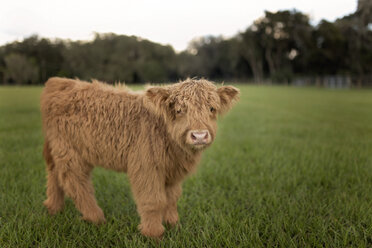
(290, 167)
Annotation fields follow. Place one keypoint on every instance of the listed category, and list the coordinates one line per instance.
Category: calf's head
(190, 109)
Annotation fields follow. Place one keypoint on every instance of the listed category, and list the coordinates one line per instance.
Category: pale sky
(163, 21)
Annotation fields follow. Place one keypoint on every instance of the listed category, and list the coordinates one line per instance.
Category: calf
(155, 136)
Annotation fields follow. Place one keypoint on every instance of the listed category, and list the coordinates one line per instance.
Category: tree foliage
(20, 70)
(279, 47)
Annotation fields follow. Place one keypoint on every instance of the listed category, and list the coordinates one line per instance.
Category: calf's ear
(228, 96)
(156, 99)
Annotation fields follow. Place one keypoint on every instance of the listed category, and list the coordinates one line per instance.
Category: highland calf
(155, 136)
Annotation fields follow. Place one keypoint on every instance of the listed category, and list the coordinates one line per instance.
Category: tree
(213, 57)
(364, 12)
(284, 37)
(113, 57)
(252, 51)
(20, 70)
(44, 53)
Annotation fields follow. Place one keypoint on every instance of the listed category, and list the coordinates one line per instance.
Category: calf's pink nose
(200, 136)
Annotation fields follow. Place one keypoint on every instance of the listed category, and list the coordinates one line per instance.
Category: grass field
(291, 167)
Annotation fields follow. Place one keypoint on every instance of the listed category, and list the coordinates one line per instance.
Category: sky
(164, 21)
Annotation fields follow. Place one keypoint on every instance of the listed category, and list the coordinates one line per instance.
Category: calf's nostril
(206, 135)
(193, 136)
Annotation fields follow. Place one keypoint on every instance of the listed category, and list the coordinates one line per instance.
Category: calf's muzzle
(199, 137)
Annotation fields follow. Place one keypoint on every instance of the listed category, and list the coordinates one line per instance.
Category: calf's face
(190, 110)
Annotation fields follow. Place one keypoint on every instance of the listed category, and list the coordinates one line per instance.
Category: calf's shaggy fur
(155, 136)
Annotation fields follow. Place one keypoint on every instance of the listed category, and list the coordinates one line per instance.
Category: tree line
(278, 47)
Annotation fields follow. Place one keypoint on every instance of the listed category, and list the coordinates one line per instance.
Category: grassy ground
(290, 167)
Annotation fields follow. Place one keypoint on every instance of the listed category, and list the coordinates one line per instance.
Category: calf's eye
(178, 111)
(213, 109)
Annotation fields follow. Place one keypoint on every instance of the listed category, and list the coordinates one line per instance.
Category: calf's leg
(173, 193)
(74, 177)
(79, 187)
(55, 196)
(149, 194)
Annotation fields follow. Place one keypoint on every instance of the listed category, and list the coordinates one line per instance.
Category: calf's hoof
(53, 208)
(171, 219)
(95, 217)
(152, 231)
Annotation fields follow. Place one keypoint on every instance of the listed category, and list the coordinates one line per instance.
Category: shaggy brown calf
(156, 137)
